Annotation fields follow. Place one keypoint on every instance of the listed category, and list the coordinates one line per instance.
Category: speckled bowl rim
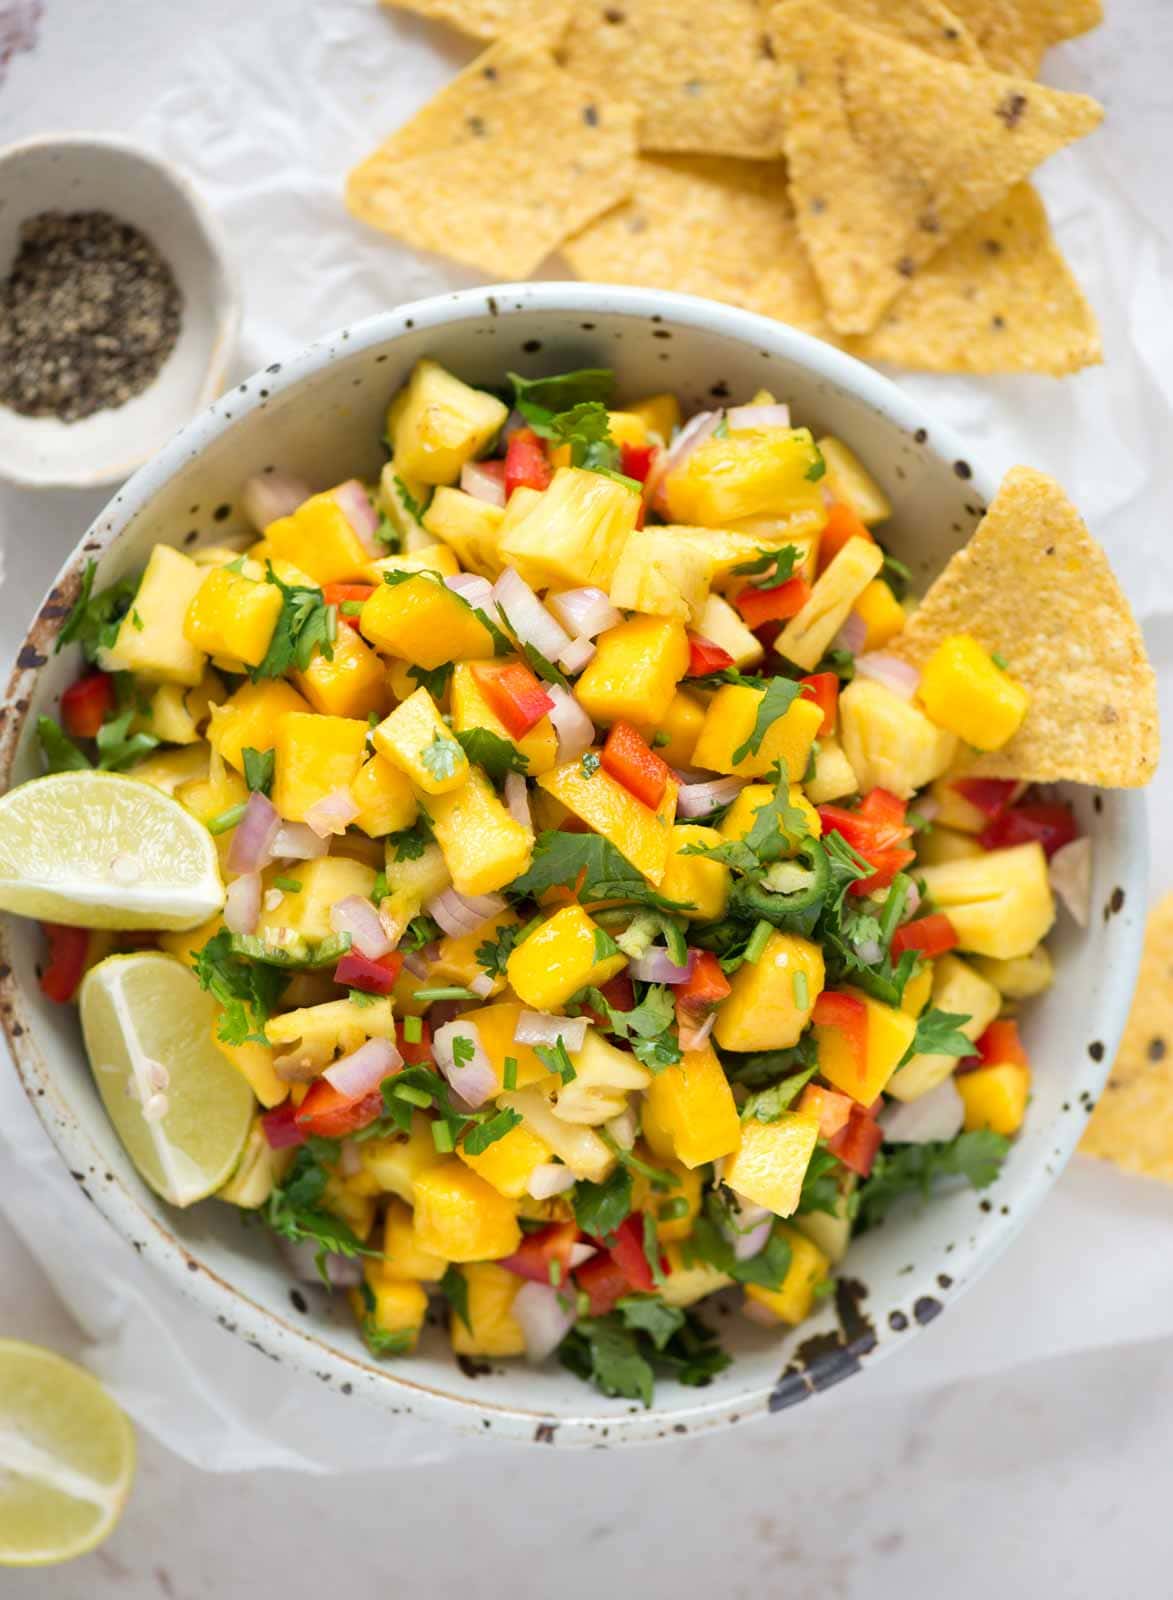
(275, 1336)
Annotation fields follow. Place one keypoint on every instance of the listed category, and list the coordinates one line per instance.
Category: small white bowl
(100, 172)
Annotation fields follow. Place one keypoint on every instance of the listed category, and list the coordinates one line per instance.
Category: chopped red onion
(252, 840)
(852, 636)
(242, 903)
(912, 900)
(936, 1115)
(415, 963)
(581, 1253)
(696, 1038)
(748, 1228)
(478, 481)
(576, 655)
(541, 1027)
(1070, 872)
(441, 1012)
(657, 966)
(899, 676)
(694, 432)
(549, 1179)
(360, 920)
(271, 495)
(301, 1258)
(575, 730)
(517, 799)
(869, 951)
(332, 814)
(481, 985)
(744, 418)
(459, 914)
(364, 1069)
(528, 618)
(546, 1316)
(474, 1079)
(699, 799)
(584, 612)
(294, 841)
(469, 586)
(355, 504)
(749, 1244)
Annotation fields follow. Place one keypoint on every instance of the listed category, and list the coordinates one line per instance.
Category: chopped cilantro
(938, 1033)
(709, 1242)
(493, 955)
(621, 1353)
(769, 1104)
(540, 400)
(780, 695)
(258, 768)
(497, 756)
(249, 991)
(509, 1073)
(94, 620)
(599, 1208)
(820, 1184)
(605, 946)
(817, 468)
(914, 1169)
(410, 843)
(590, 763)
(287, 885)
(294, 1209)
(434, 679)
(414, 508)
(477, 1140)
(651, 1249)
(306, 626)
(59, 750)
(999, 660)
(555, 1058)
(770, 568)
(117, 746)
(649, 1026)
(536, 660)
(441, 757)
(454, 1288)
(592, 866)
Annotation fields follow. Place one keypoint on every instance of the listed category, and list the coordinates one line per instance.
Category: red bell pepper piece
(847, 1013)
(1000, 1044)
(356, 971)
(990, 796)
(619, 993)
(337, 594)
(704, 656)
(329, 1114)
(68, 948)
(706, 985)
(931, 936)
(886, 810)
(635, 460)
(627, 1252)
(823, 689)
(85, 704)
(842, 525)
(526, 463)
(857, 1143)
(280, 1127)
(515, 695)
(544, 1256)
(603, 1281)
(832, 1109)
(419, 1052)
(631, 761)
(877, 832)
(758, 606)
(1043, 822)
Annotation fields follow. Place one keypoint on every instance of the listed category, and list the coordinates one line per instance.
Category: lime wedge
(99, 850)
(180, 1107)
(66, 1458)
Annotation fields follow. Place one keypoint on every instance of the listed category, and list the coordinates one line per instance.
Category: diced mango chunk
(574, 533)
(496, 1026)
(484, 846)
(963, 689)
(390, 1305)
(791, 1302)
(642, 835)
(495, 1331)
(742, 814)
(248, 719)
(634, 671)
(890, 743)
(319, 539)
(995, 1097)
(509, 1162)
(424, 623)
(771, 999)
(151, 639)
(254, 1062)
(416, 739)
(730, 723)
(558, 959)
(233, 617)
(176, 714)
(807, 637)
(384, 796)
(881, 612)
(350, 683)
(659, 413)
(314, 756)
(1000, 903)
(396, 1163)
(678, 731)
(461, 1217)
(692, 1108)
(437, 424)
(889, 1034)
(470, 709)
(962, 992)
(771, 1161)
(695, 881)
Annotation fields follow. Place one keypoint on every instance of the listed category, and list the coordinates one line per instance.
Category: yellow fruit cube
(691, 1108)
(484, 846)
(306, 911)
(917, 990)
(791, 1302)
(771, 999)
(881, 612)
(248, 719)
(767, 472)
(665, 1204)
(495, 1331)
(604, 1076)
(395, 1163)
(1000, 903)
(470, 709)
(627, 427)
(889, 1034)
(151, 639)
(233, 616)
(728, 548)
(771, 1161)
(385, 799)
(314, 755)
(404, 1258)
(397, 1307)
(963, 689)
(730, 722)
(658, 575)
(574, 533)
(170, 768)
(681, 727)
(695, 881)
(959, 990)
(688, 1278)
(415, 738)
(939, 844)
(576, 1145)
(807, 637)
(437, 424)
(953, 809)
(834, 776)
(722, 625)
(558, 959)
(208, 797)
(471, 528)
(350, 683)
(176, 714)
(642, 835)
(461, 1217)
(335, 1025)
(257, 1173)
(1020, 978)
(659, 413)
(850, 482)
(254, 1062)
(319, 539)
(429, 558)
(496, 1026)
(509, 1162)
(741, 815)
(890, 743)
(424, 623)
(456, 959)
(634, 671)
(994, 1097)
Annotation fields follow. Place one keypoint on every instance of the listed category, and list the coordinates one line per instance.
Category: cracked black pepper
(89, 312)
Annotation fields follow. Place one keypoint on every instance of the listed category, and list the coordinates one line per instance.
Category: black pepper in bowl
(89, 312)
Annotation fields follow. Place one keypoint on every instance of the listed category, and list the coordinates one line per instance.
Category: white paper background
(266, 106)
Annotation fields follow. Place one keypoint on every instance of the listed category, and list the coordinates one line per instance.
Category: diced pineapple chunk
(509, 1162)
(306, 911)
(963, 689)
(428, 558)
(692, 1108)
(768, 472)
(953, 809)
(728, 548)
(484, 846)
(659, 413)
(834, 776)
(470, 527)
(807, 637)
(151, 639)
(233, 617)
(695, 881)
(831, 1231)
(771, 999)
(495, 1331)
(437, 424)
(404, 1258)
(315, 1033)
(680, 727)
(771, 1161)
(850, 482)
(889, 1034)
(721, 624)
(995, 1097)
(496, 1026)
(257, 1173)
(423, 622)
(397, 1307)
(395, 1163)
(208, 797)
(1020, 978)
(400, 499)
(881, 613)
(470, 709)
(574, 533)
(634, 671)
(558, 959)
(351, 683)
(461, 1217)
(578, 1146)
(685, 1285)
(939, 844)
(604, 1077)
(415, 738)
(638, 832)
(959, 990)
(730, 722)
(1000, 903)
(314, 755)
(890, 743)
(791, 1302)
(248, 719)
(657, 575)
(168, 769)
(319, 538)
(175, 714)
(385, 798)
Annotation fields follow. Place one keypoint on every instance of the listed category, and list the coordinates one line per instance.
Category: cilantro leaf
(771, 568)
(608, 1354)
(249, 991)
(434, 679)
(94, 620)
(477, 1140)
(258, 768)
(496, 755)
(758, 1069)
(306, 626)
(414, 508)
(441, 757)
(780, 695)
(914, 1169)
(599, 1208)
(820, 1184)
(649, 1026)
(709, 1242)
(817, 468)
(938, 1033)
(294, 1209)
(410, 843)
(454, 1288)
(777, 828)
(769, 1104)
(647, 1313)
(555, 1058)
(59, 750)
(605, 946)
(539, 400)
(592, 866)
(117, 746)
(494, 954)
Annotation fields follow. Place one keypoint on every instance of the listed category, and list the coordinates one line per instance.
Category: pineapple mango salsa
(586, 915)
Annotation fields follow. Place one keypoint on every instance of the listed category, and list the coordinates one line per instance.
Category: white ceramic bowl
(321, 416)
(100, 172)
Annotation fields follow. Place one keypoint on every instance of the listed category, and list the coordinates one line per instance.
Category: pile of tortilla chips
(856, 168)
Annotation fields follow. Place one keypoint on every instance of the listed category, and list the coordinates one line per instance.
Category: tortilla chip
(707, 225)
(537, 21)
(501, 166)
(1033, 586)
(1014, 35)
(892, 152)
(1132, 1124)
(928, 24)
(998, 298)
(700, 71)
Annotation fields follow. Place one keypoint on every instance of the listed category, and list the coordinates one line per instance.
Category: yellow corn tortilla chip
(998, 298)
(1132, 1124)
(537, 21)
(1033, 586)
(892, 152)
(929, 24)
(700, 71)
(501, 166)
(1014, 35)
(706, 225)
